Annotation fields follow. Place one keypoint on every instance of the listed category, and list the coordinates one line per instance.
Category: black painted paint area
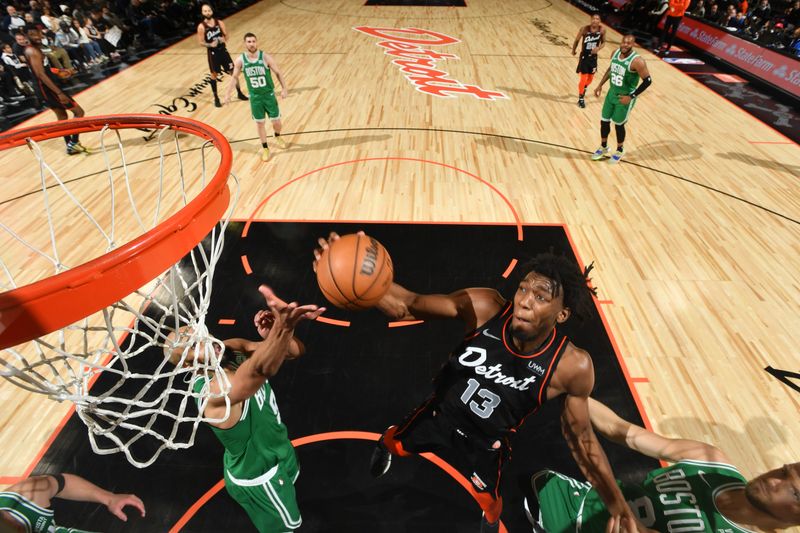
(419, 3)
(361, 378)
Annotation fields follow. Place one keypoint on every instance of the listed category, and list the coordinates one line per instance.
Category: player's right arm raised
(268, 355)
(474, 306)
(237, 69)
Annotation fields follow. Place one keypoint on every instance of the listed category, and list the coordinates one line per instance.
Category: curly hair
(566, 276)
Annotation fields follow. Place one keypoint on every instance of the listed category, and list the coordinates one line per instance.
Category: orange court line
(226, 321)
(246, 265)
(614, 344)
(401, 323)
(510, 268)
(322, 437)
(333, 321)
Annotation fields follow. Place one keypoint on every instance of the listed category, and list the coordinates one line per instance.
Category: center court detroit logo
(417, 62)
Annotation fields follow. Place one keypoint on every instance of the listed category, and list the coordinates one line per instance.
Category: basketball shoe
(600, 153)
(381, 459)
(265, 154)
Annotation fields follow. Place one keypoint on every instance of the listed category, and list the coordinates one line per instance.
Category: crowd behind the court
(771, 23)
(80, 37)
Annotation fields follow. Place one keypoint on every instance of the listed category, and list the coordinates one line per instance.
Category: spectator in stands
(728, 17)
(96, 35)
(35, 10)
(675, 13)
(13, 21)
(111, 20)
(57, 56)
(791, 17)
(143, 20)
(20, 42)
(90, 48)
(9, 91)
(68, 39)
(761, 13)
(699, 10)
(739, 22)
(794, 45)
(13, 63)
(712, 14)
(49, 21)
(655, 15)
(742, 6)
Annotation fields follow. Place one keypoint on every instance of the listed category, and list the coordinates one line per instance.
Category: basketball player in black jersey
(513, 358)
(212, 35)
(48, 90)
(591, 38)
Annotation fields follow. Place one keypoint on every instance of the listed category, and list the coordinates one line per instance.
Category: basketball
(355, 272)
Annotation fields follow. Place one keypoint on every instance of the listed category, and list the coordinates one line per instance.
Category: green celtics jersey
(623, 79)
(259, 440)
(257, 75)
(679, 498)
(34, 519)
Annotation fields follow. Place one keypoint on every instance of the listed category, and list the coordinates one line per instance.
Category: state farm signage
(774, 68)
(417, 62)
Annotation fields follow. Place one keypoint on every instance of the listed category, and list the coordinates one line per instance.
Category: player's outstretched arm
(263, 321)
(609, 424)
(576, 374)
(474, 306)
(41, 489)
(269, 354)
(237, 69)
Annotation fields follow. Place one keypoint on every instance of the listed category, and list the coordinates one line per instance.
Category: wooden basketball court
(694, 236)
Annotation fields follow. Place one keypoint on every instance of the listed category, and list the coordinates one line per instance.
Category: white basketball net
(141, 403)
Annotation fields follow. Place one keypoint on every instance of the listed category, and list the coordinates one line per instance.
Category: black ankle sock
(277, 134)
(264, 145)
(604, 144)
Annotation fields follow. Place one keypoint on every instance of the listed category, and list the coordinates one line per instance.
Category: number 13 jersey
(488, 386)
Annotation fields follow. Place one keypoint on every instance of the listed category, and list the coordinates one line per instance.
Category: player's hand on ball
(324, 244)
(263, 321)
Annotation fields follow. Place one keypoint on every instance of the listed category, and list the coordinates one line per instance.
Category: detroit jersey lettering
(213, 33)
(488, 386)
(590, 41)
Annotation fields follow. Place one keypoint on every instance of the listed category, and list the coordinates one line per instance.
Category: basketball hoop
(66, 322)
